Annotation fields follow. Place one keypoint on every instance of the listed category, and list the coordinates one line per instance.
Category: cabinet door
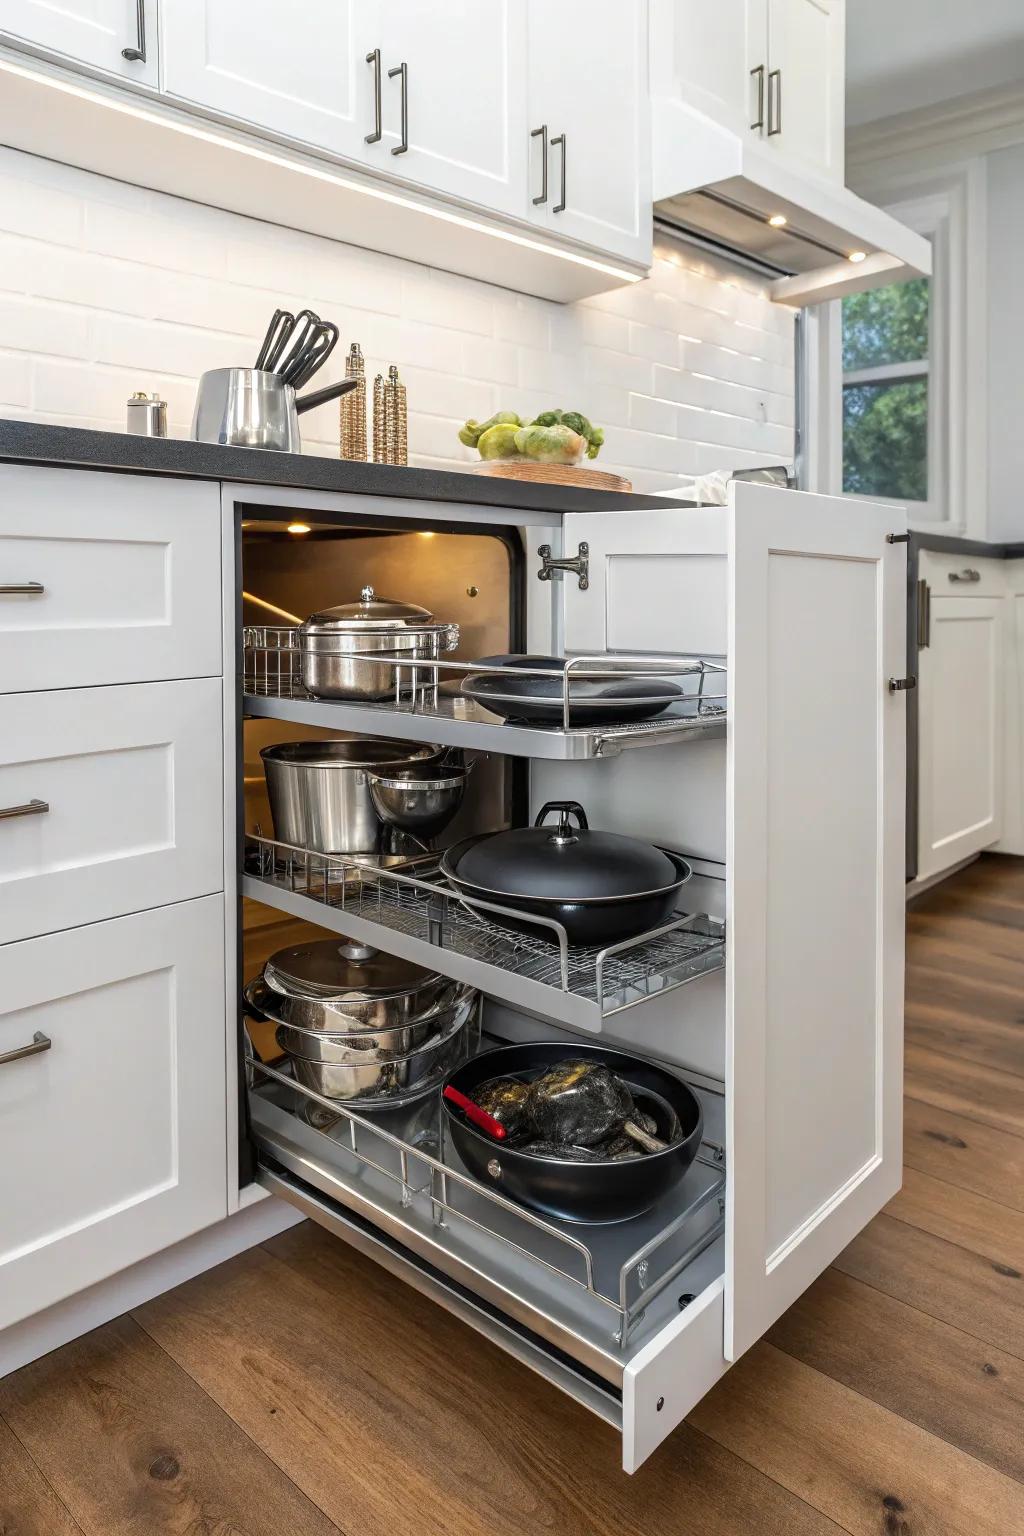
(720, 60)
(809, 605)
(300, 73)
(807, 62)
(93, 32)
(959, 741)
(588, 86)
(113, 1135)
(466, 97)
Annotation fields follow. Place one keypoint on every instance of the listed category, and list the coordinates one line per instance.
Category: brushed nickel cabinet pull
(559, 138)
(775, 121)
(374, 59)
(924, 615)
(21, 588)
(30, 808)
(40, 1042)
(542, 134)
(138, 55)
(403, 71)
(759, 73)
(968, 575)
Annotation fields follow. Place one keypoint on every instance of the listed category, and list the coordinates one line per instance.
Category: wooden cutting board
(552, 474)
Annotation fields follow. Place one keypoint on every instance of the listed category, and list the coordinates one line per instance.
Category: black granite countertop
(952, 544)
(31, 442)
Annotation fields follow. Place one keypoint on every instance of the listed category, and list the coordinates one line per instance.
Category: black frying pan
(597, 1192)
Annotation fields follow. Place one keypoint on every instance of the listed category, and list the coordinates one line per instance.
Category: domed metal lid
(339, 970)
(563, 862)
(370, 612)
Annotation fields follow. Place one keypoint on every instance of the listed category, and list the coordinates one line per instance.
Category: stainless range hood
(724, 188)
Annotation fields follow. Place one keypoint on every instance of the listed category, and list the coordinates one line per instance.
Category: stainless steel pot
(338, 647)
(368, 1046)
(340, 987)
(382, 1083)
(320, 794)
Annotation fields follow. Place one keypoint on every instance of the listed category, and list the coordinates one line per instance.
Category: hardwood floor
(300, 1389)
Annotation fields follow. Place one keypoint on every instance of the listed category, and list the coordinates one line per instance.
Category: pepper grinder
(390, 419)
(353, 407)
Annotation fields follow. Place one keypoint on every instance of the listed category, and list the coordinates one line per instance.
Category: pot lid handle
(367, 595)
(356, 953)
(564, 832)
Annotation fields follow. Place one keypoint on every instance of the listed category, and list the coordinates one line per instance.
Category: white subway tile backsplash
(106, 288)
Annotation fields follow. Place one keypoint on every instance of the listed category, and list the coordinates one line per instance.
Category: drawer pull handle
(40, 1042)
(969, 574)
(30, 808)
(21, 588)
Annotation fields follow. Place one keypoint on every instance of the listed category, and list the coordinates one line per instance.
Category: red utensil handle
(473, 1112)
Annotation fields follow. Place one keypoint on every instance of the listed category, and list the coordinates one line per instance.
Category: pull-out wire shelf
(401, 1163)
(430, 703)
(535, 967)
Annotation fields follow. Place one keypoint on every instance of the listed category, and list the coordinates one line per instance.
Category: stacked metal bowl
(360, 1025)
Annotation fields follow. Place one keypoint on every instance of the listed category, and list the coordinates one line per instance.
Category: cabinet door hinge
(554, 570)
(902, 684)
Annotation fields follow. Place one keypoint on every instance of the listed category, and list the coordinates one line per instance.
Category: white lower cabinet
(106, 804)
(960, 730)
(794, 814)
(113, 1123)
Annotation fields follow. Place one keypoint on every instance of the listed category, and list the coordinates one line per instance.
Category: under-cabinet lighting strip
(315, 173)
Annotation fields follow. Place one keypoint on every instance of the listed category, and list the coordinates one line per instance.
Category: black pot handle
(565, 808)
(321, 396)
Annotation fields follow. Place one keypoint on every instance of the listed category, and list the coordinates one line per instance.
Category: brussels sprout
(594, 445)
(473, 431)
(578, 422)
(550, 445)
(498, 442)
(547, 419)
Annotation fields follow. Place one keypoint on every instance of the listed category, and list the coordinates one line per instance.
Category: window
(886, 363)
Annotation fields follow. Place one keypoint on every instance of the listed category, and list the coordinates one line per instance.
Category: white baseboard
(100, 1303)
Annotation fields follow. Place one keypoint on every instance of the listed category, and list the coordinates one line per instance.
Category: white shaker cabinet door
(960, 745)
(298, 71)
(808, 605)
(462, 71)
(113, 1131)
(589, 95)
(719, 61)
(110, 801)
(106, 578)
(118, 36)
(805, 109)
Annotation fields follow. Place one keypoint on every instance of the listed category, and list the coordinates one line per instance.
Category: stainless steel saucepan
(254, 408)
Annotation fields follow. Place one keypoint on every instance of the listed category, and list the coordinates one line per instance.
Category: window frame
(949, 207)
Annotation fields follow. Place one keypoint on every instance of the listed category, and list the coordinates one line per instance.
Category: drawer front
(112, 1136)
(131, 781)
(962, 575)
(106, 578)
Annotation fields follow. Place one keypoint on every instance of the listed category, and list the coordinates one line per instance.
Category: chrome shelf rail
(622, 1270)
(537, 969)
(428, 704)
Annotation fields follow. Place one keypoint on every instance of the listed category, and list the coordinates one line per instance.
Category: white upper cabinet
(804, 89)
(300, 74)
(114, 35)
(718, 55)
(452, 96)
(589, 110)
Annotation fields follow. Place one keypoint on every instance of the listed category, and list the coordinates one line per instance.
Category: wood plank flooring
(300, 1389)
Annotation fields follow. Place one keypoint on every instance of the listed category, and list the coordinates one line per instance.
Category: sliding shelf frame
(421, 918)
(425, 707)
(588, 1289)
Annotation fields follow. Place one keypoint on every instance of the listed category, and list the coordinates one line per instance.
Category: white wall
(1005, 344)
(106, 288)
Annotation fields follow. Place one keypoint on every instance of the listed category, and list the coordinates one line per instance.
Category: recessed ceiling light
(857, 256)
(778, 221)
(298, 527)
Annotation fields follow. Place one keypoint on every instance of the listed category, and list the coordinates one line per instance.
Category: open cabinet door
(815, 900)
